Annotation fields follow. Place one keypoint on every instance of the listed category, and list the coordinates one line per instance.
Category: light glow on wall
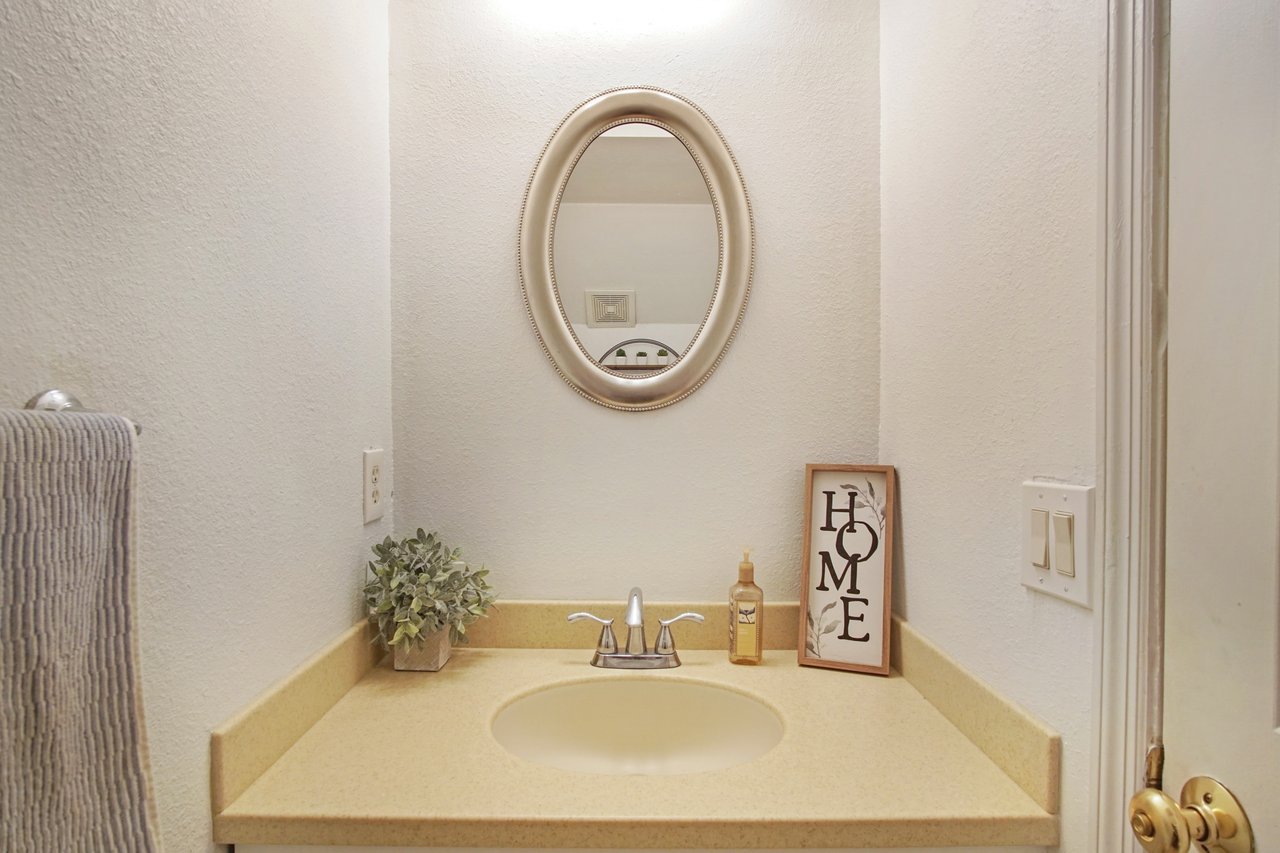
(613, 17)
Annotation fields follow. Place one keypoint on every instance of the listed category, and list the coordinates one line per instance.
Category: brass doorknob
(1208, 815)
(1158, 822)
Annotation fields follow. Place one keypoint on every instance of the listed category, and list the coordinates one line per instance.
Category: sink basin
(637, 726)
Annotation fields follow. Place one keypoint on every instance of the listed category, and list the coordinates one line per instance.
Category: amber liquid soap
(746, 615)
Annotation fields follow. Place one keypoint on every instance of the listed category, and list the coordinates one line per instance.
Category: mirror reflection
(636, 249)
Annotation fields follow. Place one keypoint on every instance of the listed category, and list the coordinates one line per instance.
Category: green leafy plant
(661, 353)
(621, 353)
(420, 586)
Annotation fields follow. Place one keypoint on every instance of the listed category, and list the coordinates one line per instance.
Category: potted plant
(620, 358)
(662, 357)
(422, 598)
(642, 358)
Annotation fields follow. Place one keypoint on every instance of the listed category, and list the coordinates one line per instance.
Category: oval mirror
(636, 248)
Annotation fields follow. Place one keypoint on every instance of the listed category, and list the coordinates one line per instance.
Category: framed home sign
(846, 577)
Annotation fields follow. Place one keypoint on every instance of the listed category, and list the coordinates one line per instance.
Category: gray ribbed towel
(73, 755)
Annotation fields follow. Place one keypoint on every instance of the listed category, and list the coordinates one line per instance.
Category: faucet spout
(635, 622)
(635, 608)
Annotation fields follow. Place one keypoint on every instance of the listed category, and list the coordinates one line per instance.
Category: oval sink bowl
(637, 726)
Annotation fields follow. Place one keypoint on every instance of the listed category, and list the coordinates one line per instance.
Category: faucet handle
(692, 617)
(608, 643)
(666, 644)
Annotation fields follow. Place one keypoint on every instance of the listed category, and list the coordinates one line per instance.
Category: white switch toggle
(1040, 538)
(1064, 544)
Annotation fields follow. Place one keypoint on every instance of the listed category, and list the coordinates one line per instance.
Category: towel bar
(54, 400)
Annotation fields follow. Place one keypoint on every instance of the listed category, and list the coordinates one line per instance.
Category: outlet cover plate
(1059, 497)
(376, 493)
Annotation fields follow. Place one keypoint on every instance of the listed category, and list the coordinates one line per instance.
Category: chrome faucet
(636, 655)
(635, 622)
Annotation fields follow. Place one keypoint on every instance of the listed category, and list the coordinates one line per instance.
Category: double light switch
(1058, 526)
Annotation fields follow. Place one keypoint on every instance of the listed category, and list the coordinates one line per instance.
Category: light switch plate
(1053, 498)
(376, 493)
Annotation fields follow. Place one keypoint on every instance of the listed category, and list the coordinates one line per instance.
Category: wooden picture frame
(846, 574)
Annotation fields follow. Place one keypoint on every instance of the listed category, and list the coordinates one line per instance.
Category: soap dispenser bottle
(746, 615)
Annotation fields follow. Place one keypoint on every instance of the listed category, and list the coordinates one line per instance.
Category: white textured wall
(194, 233)
(989, 291)
(559, 496)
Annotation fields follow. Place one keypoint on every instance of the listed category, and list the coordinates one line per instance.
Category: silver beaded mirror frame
(685, 121)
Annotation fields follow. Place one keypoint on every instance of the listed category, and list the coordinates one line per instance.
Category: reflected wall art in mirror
(636, 248)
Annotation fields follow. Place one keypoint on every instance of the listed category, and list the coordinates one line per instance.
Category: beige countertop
(405, 758)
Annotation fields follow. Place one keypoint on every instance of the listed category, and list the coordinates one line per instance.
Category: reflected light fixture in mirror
(624, 19)
(636, 248)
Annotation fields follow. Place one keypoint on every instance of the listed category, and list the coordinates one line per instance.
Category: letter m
(828, 568)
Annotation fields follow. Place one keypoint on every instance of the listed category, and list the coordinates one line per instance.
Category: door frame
(1129, 634)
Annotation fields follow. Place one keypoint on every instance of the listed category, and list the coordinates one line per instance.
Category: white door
(1222, 689)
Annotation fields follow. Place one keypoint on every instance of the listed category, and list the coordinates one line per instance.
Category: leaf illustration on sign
(818, 629)
(865, 498)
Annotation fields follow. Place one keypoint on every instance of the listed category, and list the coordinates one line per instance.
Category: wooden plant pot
(427, 656)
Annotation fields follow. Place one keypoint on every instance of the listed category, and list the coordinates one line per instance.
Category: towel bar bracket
(54, 400)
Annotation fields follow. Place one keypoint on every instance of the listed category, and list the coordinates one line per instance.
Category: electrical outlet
(376, 494)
